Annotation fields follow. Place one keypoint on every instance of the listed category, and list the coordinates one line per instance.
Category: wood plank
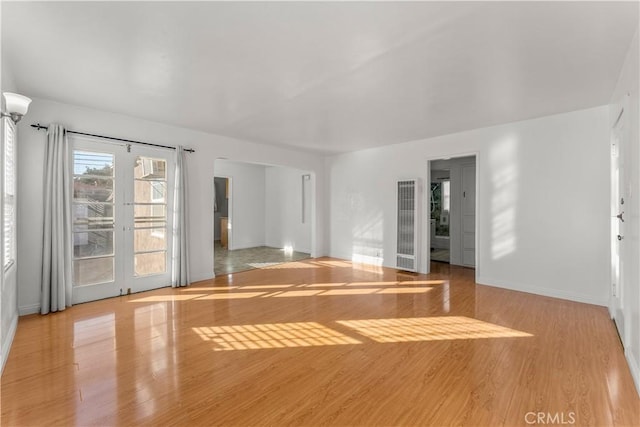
(334, 344)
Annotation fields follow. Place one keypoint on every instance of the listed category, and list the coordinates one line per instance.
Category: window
(93, 217)
(9, 194)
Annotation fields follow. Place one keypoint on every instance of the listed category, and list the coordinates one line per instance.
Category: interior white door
(617, 223)
(469, 215)
(122, 220)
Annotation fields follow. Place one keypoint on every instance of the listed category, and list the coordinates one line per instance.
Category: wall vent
(407, 243)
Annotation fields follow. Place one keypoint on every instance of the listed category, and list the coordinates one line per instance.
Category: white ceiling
(323, 76)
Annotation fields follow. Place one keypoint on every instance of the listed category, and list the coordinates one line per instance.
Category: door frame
(148, 282)
(123, 218)
(229, 208)
(426, 234)
(617, 177)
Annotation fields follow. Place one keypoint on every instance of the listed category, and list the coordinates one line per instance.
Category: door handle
(620, 237)
(619, 216)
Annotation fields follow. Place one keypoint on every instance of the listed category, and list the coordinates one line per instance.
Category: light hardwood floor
(321, 342)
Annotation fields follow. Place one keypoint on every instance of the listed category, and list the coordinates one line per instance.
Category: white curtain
(180, 270)
(57, 252)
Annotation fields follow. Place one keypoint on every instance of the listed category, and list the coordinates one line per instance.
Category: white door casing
(618, 197)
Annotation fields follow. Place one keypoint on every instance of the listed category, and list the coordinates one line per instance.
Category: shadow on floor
(226, 262)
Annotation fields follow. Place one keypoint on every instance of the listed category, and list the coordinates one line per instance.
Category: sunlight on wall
(429, 329)
(271, 335)
(503, 164)
(367, 259)
(368, 236)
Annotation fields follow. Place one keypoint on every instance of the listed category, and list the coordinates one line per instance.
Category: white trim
(425, 246)
(8, 340)
(29, 309)
(541, 291)
(634, 368)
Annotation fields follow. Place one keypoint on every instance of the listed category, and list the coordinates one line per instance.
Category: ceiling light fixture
(16, 105)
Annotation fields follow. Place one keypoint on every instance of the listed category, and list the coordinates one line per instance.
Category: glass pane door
(148, 237)
(94, 233)
(150, 216)
(122, 233)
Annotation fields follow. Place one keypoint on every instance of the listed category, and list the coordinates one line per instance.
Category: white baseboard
(634, 368)
(8, 340)
(201, 278)
(547, 292)
(366, 259)
(29, 309)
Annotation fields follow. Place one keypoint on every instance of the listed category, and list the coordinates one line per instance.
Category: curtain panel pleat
(57, 254)
(180, 267)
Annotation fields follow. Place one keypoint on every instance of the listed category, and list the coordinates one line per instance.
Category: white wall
(543, 202)
(628, 84)
(8, 279)
(247, 208)
(284, 226)
(200, 167)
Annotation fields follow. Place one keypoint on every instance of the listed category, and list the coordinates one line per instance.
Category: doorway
(221, 212)
(452, 211)
(122, 234)
(267, 212)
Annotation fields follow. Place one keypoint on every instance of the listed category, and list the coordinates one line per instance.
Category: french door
(122, 219)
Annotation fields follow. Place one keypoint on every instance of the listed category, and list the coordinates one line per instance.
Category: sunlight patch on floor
(429, 329)
(343, 264)
(266, 286)
(294, 264)
(233, 295)
(263, 264)
(168, 298)
(271, 335)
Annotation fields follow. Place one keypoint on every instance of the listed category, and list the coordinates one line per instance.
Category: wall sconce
(16, 105)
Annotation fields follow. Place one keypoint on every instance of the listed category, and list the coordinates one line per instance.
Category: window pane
(87, 216)
(93, 189)
(153, 263)
(90, 271)
(149, 240)
(92, 164)
(150, 191)
(148, 212)
(9, 191)
(92, 243)
(148, 168)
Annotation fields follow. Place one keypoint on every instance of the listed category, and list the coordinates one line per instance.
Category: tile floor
(441, 255)
(226, 261)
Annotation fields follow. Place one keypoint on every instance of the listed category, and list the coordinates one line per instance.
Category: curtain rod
(38, 126)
